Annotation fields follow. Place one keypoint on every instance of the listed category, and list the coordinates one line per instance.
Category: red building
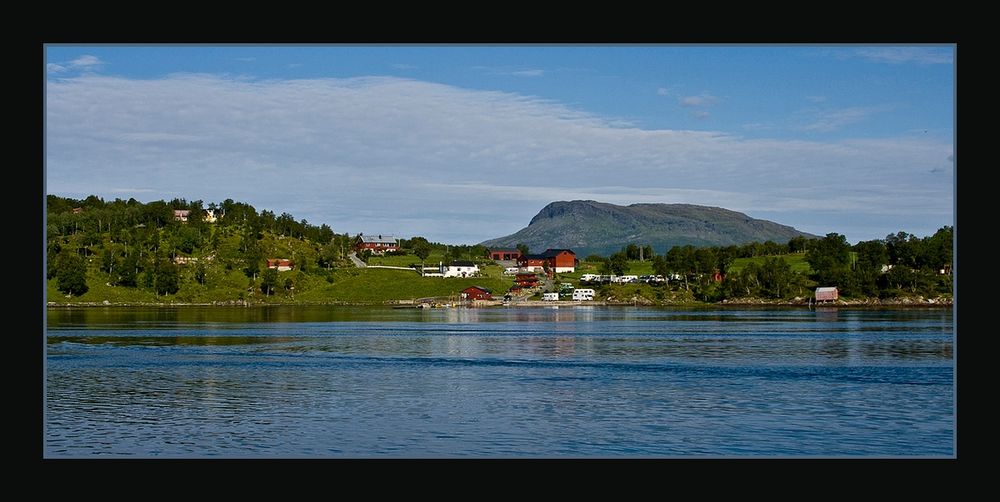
(476, 293)
(377, 245)
(557, 260)
(826, 294)
(526, 280)
(280, 264)
(505, 254)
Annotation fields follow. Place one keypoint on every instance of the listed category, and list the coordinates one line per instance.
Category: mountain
(589, 227)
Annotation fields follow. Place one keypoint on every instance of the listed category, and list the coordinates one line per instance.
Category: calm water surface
(576, 382)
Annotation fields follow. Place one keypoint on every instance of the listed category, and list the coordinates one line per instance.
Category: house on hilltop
(376, 244)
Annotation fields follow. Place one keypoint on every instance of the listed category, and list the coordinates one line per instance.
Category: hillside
(590, 227)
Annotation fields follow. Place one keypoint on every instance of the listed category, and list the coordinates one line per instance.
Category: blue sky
(466, 143)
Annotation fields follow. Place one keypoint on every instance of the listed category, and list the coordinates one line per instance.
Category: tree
(329, 254)
(829, 258)
(618, 263)
(108, 263)
(631, 252)
(71, 273)
(200, 273)
(166, 277)
(797, 244)
(128, 271)
(523, 248)
(268, 280)
(422, 249)
(775, 277)
(871, 256)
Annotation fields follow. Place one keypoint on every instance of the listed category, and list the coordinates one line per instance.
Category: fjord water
(525, 382)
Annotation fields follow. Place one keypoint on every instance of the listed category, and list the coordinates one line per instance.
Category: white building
(583, 294)
(460, 268)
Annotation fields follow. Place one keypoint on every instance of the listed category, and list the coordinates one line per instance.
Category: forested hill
(139, 251)
(590, 227)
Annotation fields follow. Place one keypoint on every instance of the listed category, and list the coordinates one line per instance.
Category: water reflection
(498, 382)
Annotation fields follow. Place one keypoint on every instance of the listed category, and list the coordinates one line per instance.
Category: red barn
(476, 293)
(826, 294)
(505, 254)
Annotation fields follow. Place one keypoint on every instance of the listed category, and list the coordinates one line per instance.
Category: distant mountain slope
(587, 227)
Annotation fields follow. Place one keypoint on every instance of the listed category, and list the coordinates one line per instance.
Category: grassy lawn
(380, 285)
(796, 260)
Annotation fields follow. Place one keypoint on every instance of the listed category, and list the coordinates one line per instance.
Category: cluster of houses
(208, 215)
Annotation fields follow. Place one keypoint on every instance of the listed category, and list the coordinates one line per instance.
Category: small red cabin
(826, 294)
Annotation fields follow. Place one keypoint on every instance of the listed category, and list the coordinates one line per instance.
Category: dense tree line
(902, 264)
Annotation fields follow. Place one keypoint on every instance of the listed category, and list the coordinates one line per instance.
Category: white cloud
(86, 61)
(900, 55)
(700, 114)
(832, 120)
(246, 59)
(456, 165)
(403, 66)
(816, 99)
(528, 73)
(663, 91)
(703, 99)
(511, 71)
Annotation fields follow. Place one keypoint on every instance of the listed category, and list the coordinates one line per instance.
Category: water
(569, 382)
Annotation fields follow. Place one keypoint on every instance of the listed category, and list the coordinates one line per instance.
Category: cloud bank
(407, 157)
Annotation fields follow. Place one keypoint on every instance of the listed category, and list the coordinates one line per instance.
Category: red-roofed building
(477, 293)
(557, 260)
(376, 244)
(504, 254)
(281, 264)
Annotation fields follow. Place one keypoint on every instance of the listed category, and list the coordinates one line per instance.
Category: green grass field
(381, 285)
(796, 260)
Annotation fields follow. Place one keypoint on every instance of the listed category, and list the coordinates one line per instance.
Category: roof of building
(378, 239)
(485, 290)
(499, 250)
(182, 212)
(551, 253)
(462, 263)
(826, 289)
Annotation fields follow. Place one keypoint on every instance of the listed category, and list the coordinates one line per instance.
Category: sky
(461, 144)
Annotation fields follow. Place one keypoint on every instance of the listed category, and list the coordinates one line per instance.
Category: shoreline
(918, 302)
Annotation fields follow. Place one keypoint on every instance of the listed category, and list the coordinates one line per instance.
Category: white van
(550, 297)
(583, 294)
